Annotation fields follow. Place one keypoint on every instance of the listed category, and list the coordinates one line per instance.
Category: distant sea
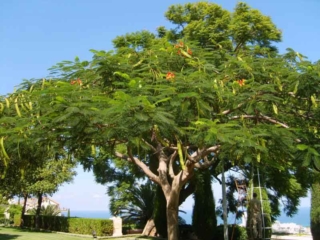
(301, 218)
(102, 214)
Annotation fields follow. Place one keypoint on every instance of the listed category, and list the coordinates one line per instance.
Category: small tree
(13, 210)
(46, 180)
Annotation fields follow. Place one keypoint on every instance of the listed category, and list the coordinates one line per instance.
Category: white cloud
(96, 196)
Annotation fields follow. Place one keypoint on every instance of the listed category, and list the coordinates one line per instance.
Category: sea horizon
(301, 218)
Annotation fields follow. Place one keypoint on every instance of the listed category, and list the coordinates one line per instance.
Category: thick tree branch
(140, 164)
(163, 170)
(206, 163)
(274, 121)
(200, 154)
(263, 117)
(172, 158)
(231, 110)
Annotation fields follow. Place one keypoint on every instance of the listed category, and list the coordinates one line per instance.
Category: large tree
(213, 88)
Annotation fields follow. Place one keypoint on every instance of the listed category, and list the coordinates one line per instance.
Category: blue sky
(36, 34)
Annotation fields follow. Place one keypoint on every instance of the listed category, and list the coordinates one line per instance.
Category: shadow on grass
(8, 237)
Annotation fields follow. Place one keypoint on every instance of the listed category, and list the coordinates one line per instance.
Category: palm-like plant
(135, 204)
(50, 210)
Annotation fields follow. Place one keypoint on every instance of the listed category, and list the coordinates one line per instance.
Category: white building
(32, 203)
(288, 228)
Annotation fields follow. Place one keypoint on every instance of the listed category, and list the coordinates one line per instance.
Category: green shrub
(14, 209)
(17, 220)
(2, 209)
(240, 233)
(71, 225)
(2, 218)
(87, 225)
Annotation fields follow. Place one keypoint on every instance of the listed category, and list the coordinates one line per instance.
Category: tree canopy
(168, 104)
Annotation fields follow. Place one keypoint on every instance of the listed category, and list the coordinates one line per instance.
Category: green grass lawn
(21, 234)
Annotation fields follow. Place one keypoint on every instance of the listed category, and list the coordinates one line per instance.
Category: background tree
(46, 181)
(159, 213)
(315, 212)
(204, 220)
(32, 163)
(13, 210)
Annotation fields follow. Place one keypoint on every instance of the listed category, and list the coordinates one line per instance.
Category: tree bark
(172, 197)
(38, 210)
(224, 204)
(172, 223)
(25, 198)
(150, 228)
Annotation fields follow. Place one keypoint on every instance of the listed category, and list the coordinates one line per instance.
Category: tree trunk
(172, 223)
(38, 210)
(25, 198)
(150, 228)
(172, 189)
(172, 197)
(224, 204)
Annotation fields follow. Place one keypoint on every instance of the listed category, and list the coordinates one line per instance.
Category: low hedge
(52, 223)
(87, 225)
(2, 218)
(71, 225)
(240, 233)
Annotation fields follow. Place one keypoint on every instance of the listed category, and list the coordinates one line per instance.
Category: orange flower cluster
(170, 75)
(78, 81)
(181, 45)
(241, 82)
